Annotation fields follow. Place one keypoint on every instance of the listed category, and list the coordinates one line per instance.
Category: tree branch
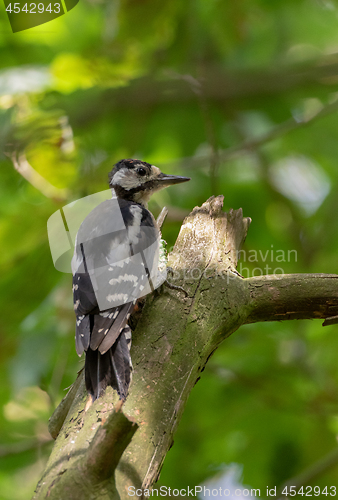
(292, 296)
(173, 341)
(24, 168)
(315, 470)
(219, 87)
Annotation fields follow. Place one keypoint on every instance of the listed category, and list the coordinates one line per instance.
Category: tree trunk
(101, 452)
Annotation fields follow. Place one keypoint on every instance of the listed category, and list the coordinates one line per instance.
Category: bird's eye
(141, 171)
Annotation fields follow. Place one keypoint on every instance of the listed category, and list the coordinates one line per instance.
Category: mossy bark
(101, 452)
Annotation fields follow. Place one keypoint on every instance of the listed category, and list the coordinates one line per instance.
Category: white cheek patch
(125, 178)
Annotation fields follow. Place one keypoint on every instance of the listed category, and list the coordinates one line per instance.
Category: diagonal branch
(311, 473)
(25, 169)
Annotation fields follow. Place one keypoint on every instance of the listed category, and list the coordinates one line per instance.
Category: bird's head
(137, 180)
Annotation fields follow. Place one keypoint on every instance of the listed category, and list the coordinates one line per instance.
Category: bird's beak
(165, 180)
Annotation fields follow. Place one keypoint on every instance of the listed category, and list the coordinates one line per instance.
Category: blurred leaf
(31, 404)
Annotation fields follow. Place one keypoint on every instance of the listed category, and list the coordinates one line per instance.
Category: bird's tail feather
(111, 368)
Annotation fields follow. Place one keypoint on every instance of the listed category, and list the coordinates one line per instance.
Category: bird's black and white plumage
(115, 262)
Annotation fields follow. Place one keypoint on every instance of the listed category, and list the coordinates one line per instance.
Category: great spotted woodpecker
(115, 262)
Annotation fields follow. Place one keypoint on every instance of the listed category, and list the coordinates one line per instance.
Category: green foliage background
(241, 96)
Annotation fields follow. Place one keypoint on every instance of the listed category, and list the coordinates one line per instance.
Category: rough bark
(100, 452)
